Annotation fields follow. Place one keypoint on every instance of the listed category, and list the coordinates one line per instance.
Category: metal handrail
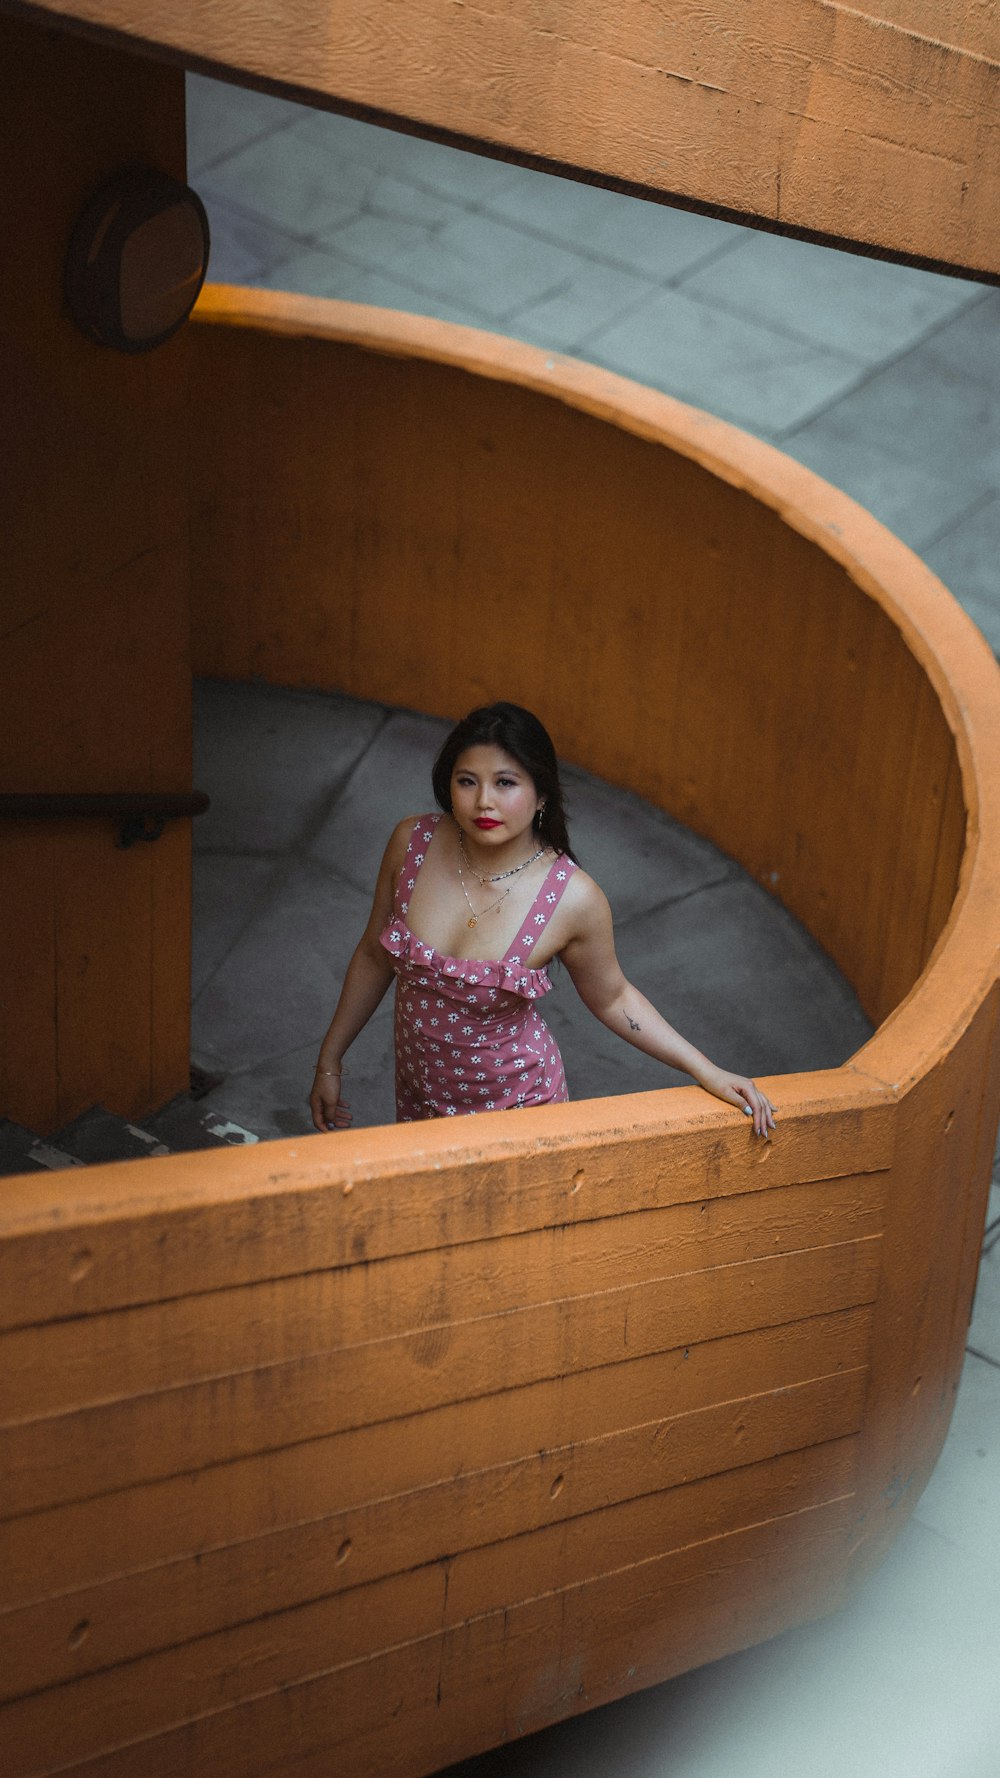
(143, 814)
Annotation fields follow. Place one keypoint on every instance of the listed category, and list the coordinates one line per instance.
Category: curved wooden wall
(360, 1453)
(434, 517)
(873, 126)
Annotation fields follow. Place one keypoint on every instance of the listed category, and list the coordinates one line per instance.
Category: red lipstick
(484, 821)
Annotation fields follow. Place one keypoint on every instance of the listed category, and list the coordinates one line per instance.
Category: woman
(470, 908)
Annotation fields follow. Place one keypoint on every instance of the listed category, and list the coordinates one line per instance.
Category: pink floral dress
(468, 1033)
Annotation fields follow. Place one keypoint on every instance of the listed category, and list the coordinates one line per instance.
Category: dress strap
(416, 851)
(541, 910)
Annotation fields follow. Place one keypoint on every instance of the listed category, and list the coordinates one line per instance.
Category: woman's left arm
(590, 957)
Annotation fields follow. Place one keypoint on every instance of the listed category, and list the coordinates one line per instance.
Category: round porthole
(137, 260)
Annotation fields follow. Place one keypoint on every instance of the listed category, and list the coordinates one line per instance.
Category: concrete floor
(305, 790)
(886, 381)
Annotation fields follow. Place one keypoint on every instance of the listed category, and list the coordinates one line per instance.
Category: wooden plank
(948, 1121)
(863, 127)
(126, 1704)
(343, 1556)
(125, 1532)
(882, 770)
(951, 850)
(68, 1457)
(76, 1363)
(142, 1232)
(467, 1721)
(534, 1645)
(920, 818)
(95, 676)
(28, 1047)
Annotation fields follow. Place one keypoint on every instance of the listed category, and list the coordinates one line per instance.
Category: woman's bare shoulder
(584, 898)
(399, 840)
(400, 837)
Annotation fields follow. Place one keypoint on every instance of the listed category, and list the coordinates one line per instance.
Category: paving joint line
(885, 364)
(275, 129)
(986, 498)
(672, 901)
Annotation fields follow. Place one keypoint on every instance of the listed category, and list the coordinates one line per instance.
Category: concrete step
(101, 1135)
(21, 1151)
(183, 1125)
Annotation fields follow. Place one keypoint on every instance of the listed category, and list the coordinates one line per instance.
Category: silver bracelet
(338, 1071)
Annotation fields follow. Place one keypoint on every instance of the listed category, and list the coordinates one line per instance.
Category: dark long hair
(522, 736)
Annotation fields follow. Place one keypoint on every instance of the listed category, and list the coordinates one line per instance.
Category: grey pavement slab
(653, 239)
(970, 343)
(640, 857)
(320, 272)
(222, 118)
(228, 891)
(593, 296)
(967, 558)
(471, 258)
(448, 172)
(925, 410)
(991, 1232)
(732, 970)
(731, 365)
(244, 246)
(302, 192)
(271, 760)
(390, 781)
(866, 308)
(984, 1328)
(960, 1500)
(277, 987)
(915, 498)
(271, 1098)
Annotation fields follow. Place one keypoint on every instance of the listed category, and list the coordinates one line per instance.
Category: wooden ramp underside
(875, 127)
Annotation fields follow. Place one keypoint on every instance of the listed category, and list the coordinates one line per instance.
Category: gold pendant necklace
(474, 917)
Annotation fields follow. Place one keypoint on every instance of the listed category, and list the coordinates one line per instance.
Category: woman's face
(493, 798)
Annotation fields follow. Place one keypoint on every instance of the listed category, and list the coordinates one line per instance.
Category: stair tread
(185, 1125)
(101, 1135)
(22, 1151)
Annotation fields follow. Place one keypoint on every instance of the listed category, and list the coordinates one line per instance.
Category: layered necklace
(500, 877)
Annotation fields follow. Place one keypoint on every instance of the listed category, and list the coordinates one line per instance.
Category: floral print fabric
(468, 1034)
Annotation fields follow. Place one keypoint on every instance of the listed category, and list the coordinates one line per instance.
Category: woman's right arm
(368, 976)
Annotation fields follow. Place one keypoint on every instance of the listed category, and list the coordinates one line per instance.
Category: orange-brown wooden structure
(359, 1453)
(872, 125)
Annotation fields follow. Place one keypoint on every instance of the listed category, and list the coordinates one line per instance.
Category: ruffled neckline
(507, 972)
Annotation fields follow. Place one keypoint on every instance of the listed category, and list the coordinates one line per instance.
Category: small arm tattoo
(630, 1020)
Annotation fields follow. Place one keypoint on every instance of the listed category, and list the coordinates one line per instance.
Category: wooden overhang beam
(875, 129)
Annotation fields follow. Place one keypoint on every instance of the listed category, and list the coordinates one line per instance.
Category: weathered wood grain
(95, 668)
(101, 1358)
(47, 1461)
(274, 1493)
(322, 1576)
(875, 128)
(338, 1701)
(145, 1231)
